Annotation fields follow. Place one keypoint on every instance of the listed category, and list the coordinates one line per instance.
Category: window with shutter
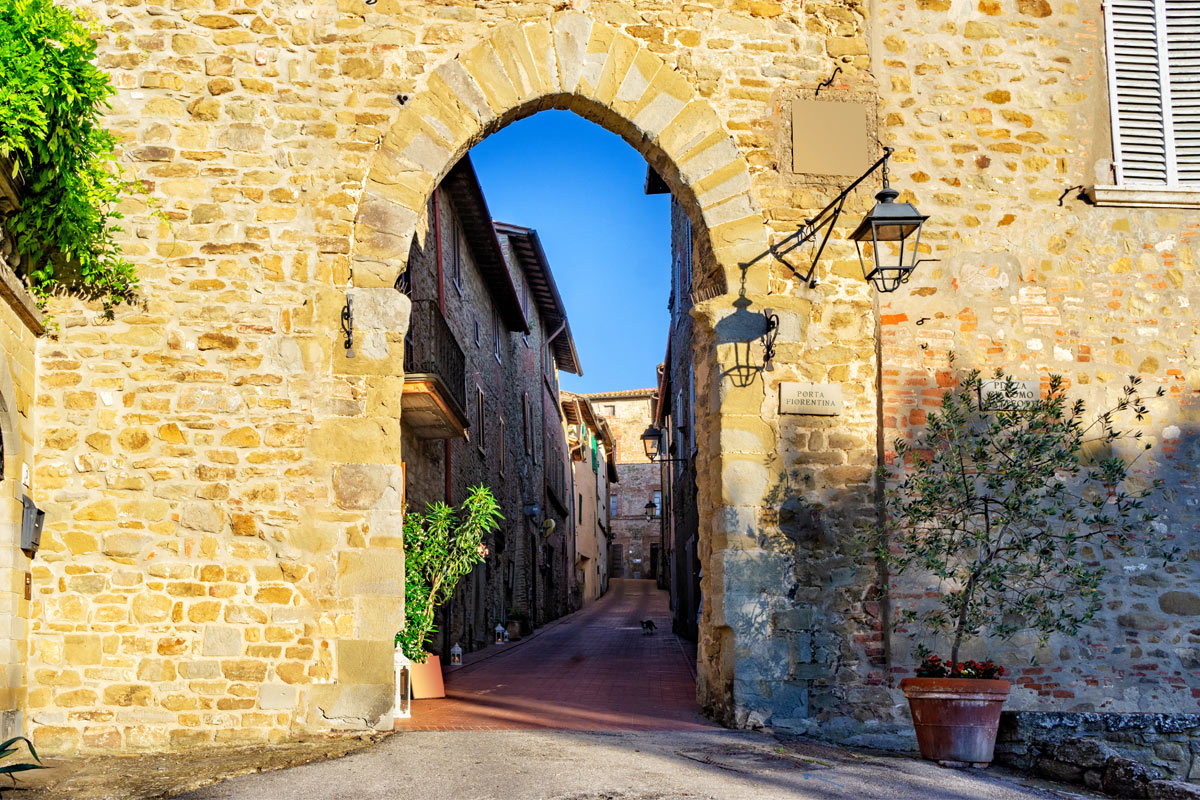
(1154, 90)
(1183, 57)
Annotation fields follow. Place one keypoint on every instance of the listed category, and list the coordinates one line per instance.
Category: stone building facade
(476, 370)
(675, 417)
(635, 550)
(594, 470)
(222, 557)
(20, 324)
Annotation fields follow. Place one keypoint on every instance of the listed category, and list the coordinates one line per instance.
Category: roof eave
(463, 185)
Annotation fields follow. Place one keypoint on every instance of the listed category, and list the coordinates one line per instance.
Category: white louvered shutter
(1183, 64)
(1135, 91)
(1154, 89)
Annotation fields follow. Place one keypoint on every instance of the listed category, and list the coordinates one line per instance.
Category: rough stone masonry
(202, 577)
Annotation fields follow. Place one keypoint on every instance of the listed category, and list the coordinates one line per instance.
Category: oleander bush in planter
(52, 98)
(441, 545)
(1012, 506)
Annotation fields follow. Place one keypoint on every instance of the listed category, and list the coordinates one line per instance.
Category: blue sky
(609, 245)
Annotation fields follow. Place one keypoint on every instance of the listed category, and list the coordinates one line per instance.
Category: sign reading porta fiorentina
(821, 399)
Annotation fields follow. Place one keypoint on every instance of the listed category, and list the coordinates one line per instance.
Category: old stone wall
(993, 118)
(1077, 747)
(682, 524)
(504, 369)
(222, 554)
(20, 324)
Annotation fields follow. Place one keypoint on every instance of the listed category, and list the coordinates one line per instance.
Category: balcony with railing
(434, 403)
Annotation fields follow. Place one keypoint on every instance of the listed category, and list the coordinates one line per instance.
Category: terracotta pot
(427, 679)
(955, 718)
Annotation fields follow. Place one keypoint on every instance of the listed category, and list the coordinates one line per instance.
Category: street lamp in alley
(651, 509)
(652, 443)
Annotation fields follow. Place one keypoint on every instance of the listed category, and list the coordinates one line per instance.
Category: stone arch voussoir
(567, 61)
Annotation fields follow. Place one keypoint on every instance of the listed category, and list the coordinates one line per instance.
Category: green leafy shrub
(1012, 506)
(51, 100)
(441, 545)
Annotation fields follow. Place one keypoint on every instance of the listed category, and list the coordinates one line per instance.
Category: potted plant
(441, 545)
(1010, 504)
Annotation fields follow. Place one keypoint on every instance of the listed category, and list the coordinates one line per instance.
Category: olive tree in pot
(441, 545)
(1012, 505)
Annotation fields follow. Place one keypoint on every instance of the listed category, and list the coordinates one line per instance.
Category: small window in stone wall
(479, 416)
(456, 256)
(526, 424)
(503, 447)
(612, 505)
(478, 339)
(496, 333)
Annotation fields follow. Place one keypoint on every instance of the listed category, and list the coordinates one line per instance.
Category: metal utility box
(32, 518)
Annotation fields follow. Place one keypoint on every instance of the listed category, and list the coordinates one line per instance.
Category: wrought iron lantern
(456, 654)
(893, 231)
(652, 442)
(651, 510)
(501, 634)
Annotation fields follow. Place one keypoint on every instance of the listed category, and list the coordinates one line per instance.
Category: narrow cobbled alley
(594, 670)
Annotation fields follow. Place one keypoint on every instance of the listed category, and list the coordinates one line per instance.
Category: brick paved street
(593, 671)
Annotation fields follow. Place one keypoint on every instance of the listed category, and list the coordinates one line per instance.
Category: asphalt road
(617, 765)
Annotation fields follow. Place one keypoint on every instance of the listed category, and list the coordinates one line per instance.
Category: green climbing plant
(52, 98)
(441, 545)
(1012, 506)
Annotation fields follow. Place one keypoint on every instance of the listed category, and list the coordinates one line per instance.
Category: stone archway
(572, 62)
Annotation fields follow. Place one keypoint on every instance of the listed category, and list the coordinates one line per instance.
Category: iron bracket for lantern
(348, 326)
(821, 225)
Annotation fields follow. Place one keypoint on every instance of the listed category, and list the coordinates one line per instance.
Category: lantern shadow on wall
(743, 329)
